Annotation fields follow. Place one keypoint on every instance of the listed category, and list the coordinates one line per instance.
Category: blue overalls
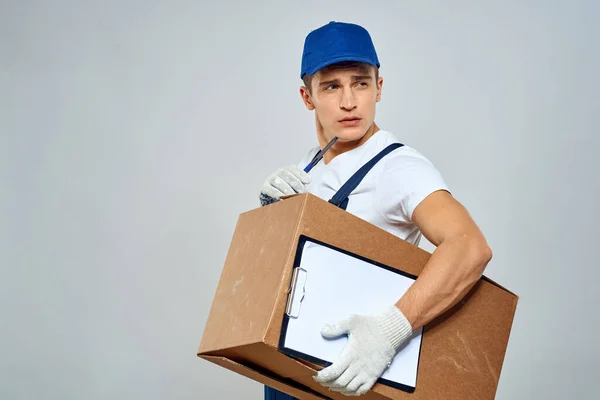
(340, 199)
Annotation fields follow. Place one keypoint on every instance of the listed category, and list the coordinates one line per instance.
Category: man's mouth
(350, 121)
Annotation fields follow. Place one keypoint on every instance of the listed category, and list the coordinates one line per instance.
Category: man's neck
(341, 147)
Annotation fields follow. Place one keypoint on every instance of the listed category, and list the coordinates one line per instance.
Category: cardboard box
(462, 351)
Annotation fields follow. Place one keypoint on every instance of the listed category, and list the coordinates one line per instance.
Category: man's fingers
(354, 384)
(331, 373)
(286, 181)
(340, 328)
(365, 387)
(336, 369)
(300, 174)
(280, 184)
(349, 374)
(272, 192)
(292, 180)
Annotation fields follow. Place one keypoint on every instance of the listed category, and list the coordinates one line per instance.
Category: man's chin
(351, 134)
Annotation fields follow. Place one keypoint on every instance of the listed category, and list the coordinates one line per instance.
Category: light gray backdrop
(135, 132)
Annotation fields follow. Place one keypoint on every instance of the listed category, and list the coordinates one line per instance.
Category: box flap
(285, 385)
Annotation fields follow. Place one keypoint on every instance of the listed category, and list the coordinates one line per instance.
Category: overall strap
(340, 199)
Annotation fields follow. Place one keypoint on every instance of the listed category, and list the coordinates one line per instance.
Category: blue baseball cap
(337, 42)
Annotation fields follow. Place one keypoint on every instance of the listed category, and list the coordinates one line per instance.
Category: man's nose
(348, 102)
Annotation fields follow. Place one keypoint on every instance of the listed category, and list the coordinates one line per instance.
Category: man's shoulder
(403, 157)
(406, 178)
(407, 154)
(410, 167)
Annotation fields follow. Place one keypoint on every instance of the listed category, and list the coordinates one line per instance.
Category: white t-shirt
(390, 191)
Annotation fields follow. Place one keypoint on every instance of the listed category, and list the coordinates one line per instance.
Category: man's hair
(366, 68)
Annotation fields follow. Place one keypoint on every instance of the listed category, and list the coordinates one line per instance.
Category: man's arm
(457, 263)
(454, 267)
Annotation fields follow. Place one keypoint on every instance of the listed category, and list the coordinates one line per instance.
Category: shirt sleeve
(406, 180)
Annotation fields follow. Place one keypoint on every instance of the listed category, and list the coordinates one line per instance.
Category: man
(403, 193)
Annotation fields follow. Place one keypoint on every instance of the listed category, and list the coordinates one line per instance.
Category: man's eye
(331, 87)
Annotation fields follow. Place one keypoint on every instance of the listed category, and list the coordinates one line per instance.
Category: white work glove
(373, 341)
(285, 181)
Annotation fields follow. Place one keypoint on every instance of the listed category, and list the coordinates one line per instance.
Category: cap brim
(338, 59)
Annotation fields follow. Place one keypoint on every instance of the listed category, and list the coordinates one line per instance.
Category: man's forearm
(452, 270)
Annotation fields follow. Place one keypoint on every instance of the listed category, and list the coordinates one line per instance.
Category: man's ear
(306, 98)
(379, 87)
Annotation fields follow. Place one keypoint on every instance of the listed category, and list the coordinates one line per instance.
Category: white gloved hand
(285, 181)
(373, 341)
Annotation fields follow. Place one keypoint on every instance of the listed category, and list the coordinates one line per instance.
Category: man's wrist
(396, 328)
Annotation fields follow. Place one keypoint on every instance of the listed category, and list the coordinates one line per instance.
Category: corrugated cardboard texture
(462, 351)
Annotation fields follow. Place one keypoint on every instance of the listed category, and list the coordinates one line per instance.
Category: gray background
(135, 132)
